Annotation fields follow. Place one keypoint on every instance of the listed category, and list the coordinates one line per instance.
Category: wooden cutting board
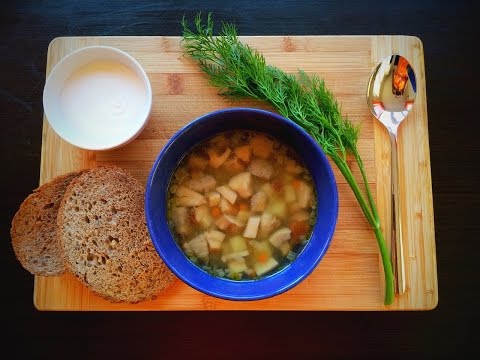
(350, 277)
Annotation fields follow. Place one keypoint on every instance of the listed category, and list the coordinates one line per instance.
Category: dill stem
(359, 161)
(372, 217)
(387, 266)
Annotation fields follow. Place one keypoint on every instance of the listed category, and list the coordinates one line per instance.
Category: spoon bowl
(391, 91)
(391, 94)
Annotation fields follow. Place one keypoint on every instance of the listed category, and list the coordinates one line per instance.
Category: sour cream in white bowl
(97, 98)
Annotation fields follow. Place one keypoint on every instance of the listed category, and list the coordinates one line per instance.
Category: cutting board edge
(63, 38)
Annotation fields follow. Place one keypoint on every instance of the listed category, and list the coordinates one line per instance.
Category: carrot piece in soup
(215, 211)
(262, 256)
(261, 146)
(299, 230)
(296, 183)
(242, 205)
(243, 152)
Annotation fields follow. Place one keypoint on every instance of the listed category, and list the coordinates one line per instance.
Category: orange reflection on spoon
(400, 76)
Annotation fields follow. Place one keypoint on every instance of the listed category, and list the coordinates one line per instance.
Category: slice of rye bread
(102, 227)
(33, 229)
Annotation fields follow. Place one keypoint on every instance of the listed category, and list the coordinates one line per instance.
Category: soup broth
(241, 205)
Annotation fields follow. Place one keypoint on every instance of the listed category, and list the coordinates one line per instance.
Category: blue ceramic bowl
(252, 119)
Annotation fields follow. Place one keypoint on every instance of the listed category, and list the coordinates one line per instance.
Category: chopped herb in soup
(241, 205)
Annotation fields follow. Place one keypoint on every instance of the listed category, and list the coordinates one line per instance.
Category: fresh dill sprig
(240, 71)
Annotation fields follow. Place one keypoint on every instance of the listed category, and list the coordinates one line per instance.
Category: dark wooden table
(449, 33)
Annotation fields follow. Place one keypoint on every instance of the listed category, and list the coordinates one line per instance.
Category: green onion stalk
(240, 71)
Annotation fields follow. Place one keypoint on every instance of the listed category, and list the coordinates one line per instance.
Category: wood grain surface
(350, 276)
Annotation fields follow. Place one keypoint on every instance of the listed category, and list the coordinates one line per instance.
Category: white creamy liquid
(103, 101)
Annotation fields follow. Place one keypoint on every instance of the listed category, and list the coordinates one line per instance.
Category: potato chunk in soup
(242, 208)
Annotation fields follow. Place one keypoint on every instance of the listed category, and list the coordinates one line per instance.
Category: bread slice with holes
(101, 225)
(33, 231)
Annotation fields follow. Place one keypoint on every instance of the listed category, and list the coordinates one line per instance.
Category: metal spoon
(390, 95)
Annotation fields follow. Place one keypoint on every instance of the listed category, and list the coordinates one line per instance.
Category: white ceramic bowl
(97, 98)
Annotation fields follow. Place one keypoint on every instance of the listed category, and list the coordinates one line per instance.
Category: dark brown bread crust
(101, 224)
(33, 230)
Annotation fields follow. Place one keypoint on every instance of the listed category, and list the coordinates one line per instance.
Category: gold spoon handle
(396, 243)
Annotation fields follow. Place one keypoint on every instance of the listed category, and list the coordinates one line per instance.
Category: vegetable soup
(241, 205)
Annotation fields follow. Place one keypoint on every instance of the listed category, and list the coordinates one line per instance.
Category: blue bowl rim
(228, 289)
